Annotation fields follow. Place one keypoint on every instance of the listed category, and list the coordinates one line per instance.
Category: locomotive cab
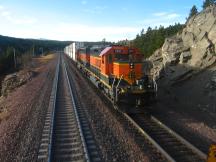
(124, 69)
(120, 72)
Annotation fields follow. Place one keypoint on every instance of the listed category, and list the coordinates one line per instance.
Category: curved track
(66, 135)
(171, 145)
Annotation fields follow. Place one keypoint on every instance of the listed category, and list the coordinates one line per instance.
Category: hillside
(185, 70)
(150, 40)
(189, 52)
(185, 66)
(24, 47)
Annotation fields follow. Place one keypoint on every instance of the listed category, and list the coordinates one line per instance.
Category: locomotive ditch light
(131, 65)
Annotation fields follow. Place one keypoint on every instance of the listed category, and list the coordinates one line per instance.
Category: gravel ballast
(189, 108)
(21, 126)
(114, 136)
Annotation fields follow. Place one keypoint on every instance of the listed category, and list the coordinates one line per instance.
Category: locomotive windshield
(121, 57)
(128, 58)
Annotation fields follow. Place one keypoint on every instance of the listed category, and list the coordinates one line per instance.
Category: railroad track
(66, 134)
(165, 141)
(171, 145)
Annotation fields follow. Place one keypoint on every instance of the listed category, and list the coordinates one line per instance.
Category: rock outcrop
(189, 51)
(15, 80)
(157, 60)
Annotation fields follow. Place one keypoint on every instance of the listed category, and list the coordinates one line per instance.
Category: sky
(89, 20)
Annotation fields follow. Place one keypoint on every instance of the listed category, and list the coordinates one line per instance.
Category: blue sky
(89, 20)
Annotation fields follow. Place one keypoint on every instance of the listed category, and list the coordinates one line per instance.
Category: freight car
(119, 71)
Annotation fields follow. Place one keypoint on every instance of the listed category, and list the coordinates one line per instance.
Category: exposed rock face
(172, 49)
(157, 59)
(185, 57)
(193, 49)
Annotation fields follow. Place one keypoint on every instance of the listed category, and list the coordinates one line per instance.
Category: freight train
(119, 71)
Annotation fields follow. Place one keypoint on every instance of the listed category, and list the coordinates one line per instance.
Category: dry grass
(39, 61)
(3, 113)
(45, 59)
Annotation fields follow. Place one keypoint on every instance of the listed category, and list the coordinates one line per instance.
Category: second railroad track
(171, 145)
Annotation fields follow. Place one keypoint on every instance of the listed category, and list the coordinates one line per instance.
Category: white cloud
(7, 15)
(91, 11)
(162, 18)
(84, 2)
(124, 9)
(166, 15)
(95, 10)
(172, 16)
(91, 33)
(69, 31)
(160, 14)
(16, 25)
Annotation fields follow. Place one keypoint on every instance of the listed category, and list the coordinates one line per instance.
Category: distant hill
(98, 43)
(24, 45)
(27, 46)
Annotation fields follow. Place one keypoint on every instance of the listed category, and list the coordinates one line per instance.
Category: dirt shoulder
(189, 108)
(23, 111)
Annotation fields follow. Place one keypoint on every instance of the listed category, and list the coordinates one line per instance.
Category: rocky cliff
(190, 51)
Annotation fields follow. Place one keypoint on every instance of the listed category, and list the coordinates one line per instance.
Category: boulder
(172, 49)
(15, 80)
(157, 61)
(188, 38)
(185, 56)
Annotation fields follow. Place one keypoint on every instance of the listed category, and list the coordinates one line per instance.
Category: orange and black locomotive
(119, 71)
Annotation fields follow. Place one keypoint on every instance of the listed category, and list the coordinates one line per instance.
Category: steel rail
(76, 114)
(188, 144)
(169, 156)
(47, 148)
(152, 141)
(44, 153)
(155, 144)
(53, 110)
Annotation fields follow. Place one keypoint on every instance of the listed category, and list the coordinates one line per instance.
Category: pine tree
(153, 39)
(193, 11)
(207, 3)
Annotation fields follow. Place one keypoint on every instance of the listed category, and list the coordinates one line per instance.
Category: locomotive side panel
(117, 70)
(95, 65)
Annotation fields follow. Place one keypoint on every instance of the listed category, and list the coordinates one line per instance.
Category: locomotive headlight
(131, 65)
